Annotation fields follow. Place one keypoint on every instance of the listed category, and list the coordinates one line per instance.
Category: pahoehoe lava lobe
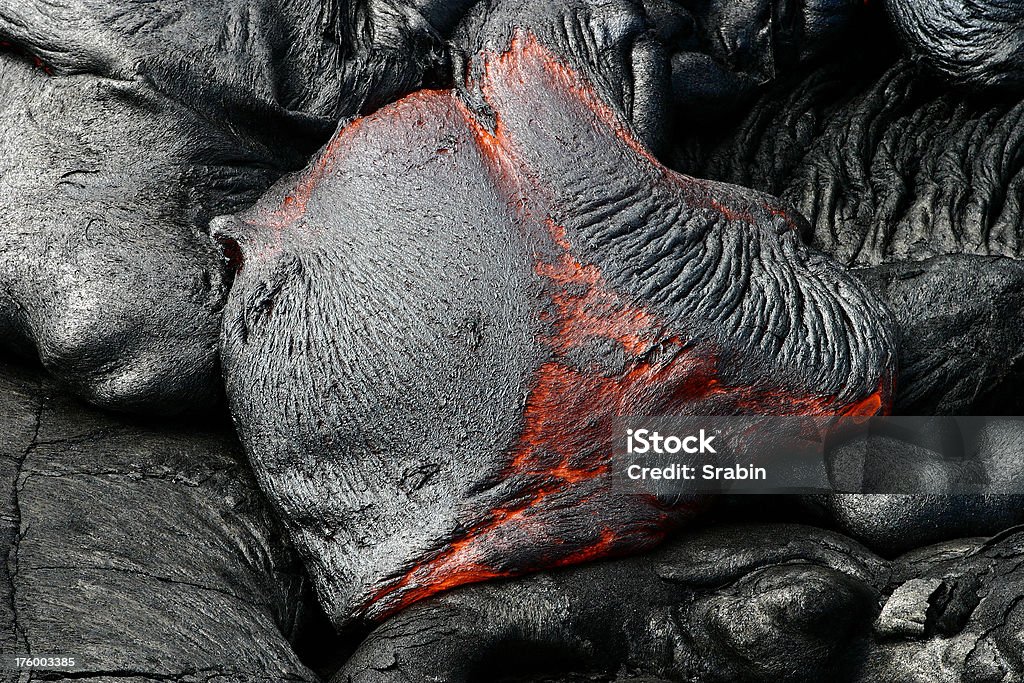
(434, 325)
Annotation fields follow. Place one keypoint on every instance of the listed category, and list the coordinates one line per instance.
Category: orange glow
(569, 415)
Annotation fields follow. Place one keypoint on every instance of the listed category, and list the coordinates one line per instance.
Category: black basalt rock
(748, 603)
(142, 551)
(754, 603)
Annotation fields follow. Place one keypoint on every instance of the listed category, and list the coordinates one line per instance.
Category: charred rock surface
(893, 523)
(739, 603)
(959, 619)
(429, 403)
(145, 552)
(887, 163)
(746, 603)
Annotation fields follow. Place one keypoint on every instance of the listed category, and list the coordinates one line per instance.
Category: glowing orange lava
(563, 451)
